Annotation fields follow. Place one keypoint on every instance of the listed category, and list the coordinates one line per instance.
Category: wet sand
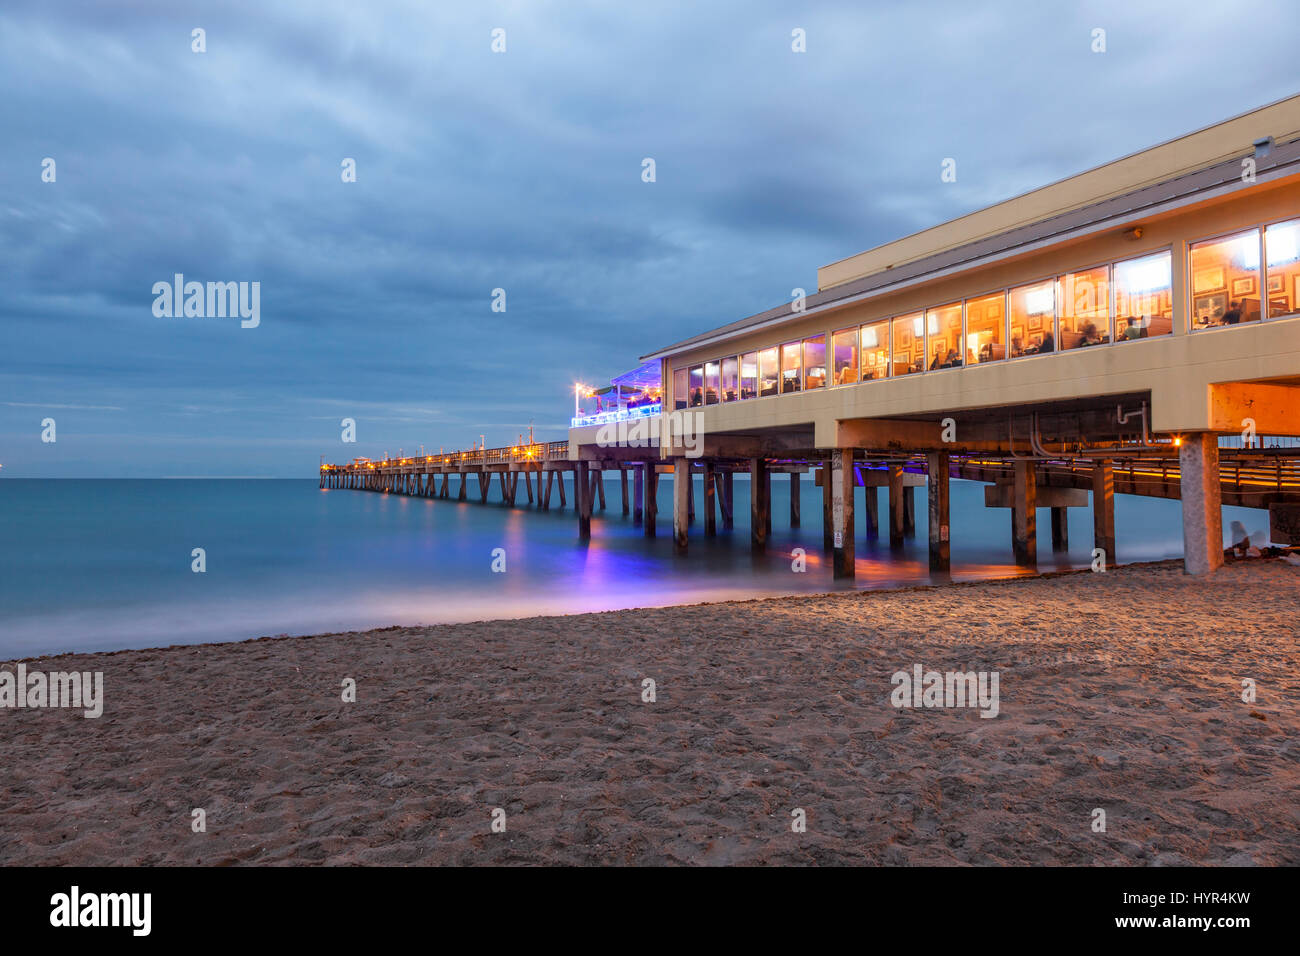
(1118, 691)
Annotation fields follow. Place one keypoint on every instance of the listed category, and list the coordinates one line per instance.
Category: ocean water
(106, 564)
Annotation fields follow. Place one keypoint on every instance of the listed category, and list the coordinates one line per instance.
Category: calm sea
(106, 564)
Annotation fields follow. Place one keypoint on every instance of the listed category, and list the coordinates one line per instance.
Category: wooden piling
(828, 510)
(622, 480)
(1024, 514)
(842, 485)
(794, 498)
(896, 506)
(1060, 530)
(681, 502)
(651, 499)
(710, 512)
(638, 492)
(939, 466)
(582, 498)
(758, 505)
(1103, 510)
(728, 510)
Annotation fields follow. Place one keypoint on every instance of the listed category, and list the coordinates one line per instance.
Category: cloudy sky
(518, 170)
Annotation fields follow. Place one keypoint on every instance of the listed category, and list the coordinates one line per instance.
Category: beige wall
(1195, 151)
(1176, 368)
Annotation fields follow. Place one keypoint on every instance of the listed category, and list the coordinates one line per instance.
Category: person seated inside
(952, 360)
(1089, 334)
(938, 360)
(1233, 315)
(1046, 344)
(847, 375)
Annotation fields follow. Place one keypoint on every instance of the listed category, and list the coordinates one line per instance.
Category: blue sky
(519, 170)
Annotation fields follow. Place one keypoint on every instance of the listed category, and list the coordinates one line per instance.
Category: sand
(1118, 691)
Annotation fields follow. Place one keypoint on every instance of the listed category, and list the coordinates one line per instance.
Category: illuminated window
(748, 375)
(711, 373)
(697, 386)
(1083, 300)
(1282, 242)
(986, 326)
(844, 356)
(944, 326)
(768, 374)
(1143, 297)
(1032, 310)
(729, 379)
(790, 378)
(1225, 281)
(908, 344)
(679, 388)
(875, 350)
(814, 362)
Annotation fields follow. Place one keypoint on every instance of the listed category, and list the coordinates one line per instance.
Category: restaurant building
(1143, 308)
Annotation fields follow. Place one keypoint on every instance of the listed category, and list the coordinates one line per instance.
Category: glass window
(697, 386)
(844, 356)
(768, 374)
(711, 386)
(1225, 281)
(908, 344)
(679, 388)
(814, 362)
(729, 378)
(748, 375)
(790, 379)
(1032, 309)
(944, 326)
(1083, 301)
(1143, 297)
(986, 329)
(1282, 241)
(875, 350)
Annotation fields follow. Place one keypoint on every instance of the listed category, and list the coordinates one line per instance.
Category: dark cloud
(520, 171)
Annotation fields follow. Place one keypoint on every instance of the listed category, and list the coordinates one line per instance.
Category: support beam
(464, 486)
(842, 485)
(582, 499)
(757, 505)
(600, 486)
(1103, 511)
(1198, 465)
(794, 499)
(1024, 515)
(895, 506)
(690, 493)
(622, 480)
(710, 512)
(909, 511)
(546, 495)
(681, 502)
(939, 466)
(560, 481)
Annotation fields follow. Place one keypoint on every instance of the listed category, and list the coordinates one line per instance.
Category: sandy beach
(1119, 691)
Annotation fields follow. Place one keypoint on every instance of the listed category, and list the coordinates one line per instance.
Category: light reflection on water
(106, 564)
